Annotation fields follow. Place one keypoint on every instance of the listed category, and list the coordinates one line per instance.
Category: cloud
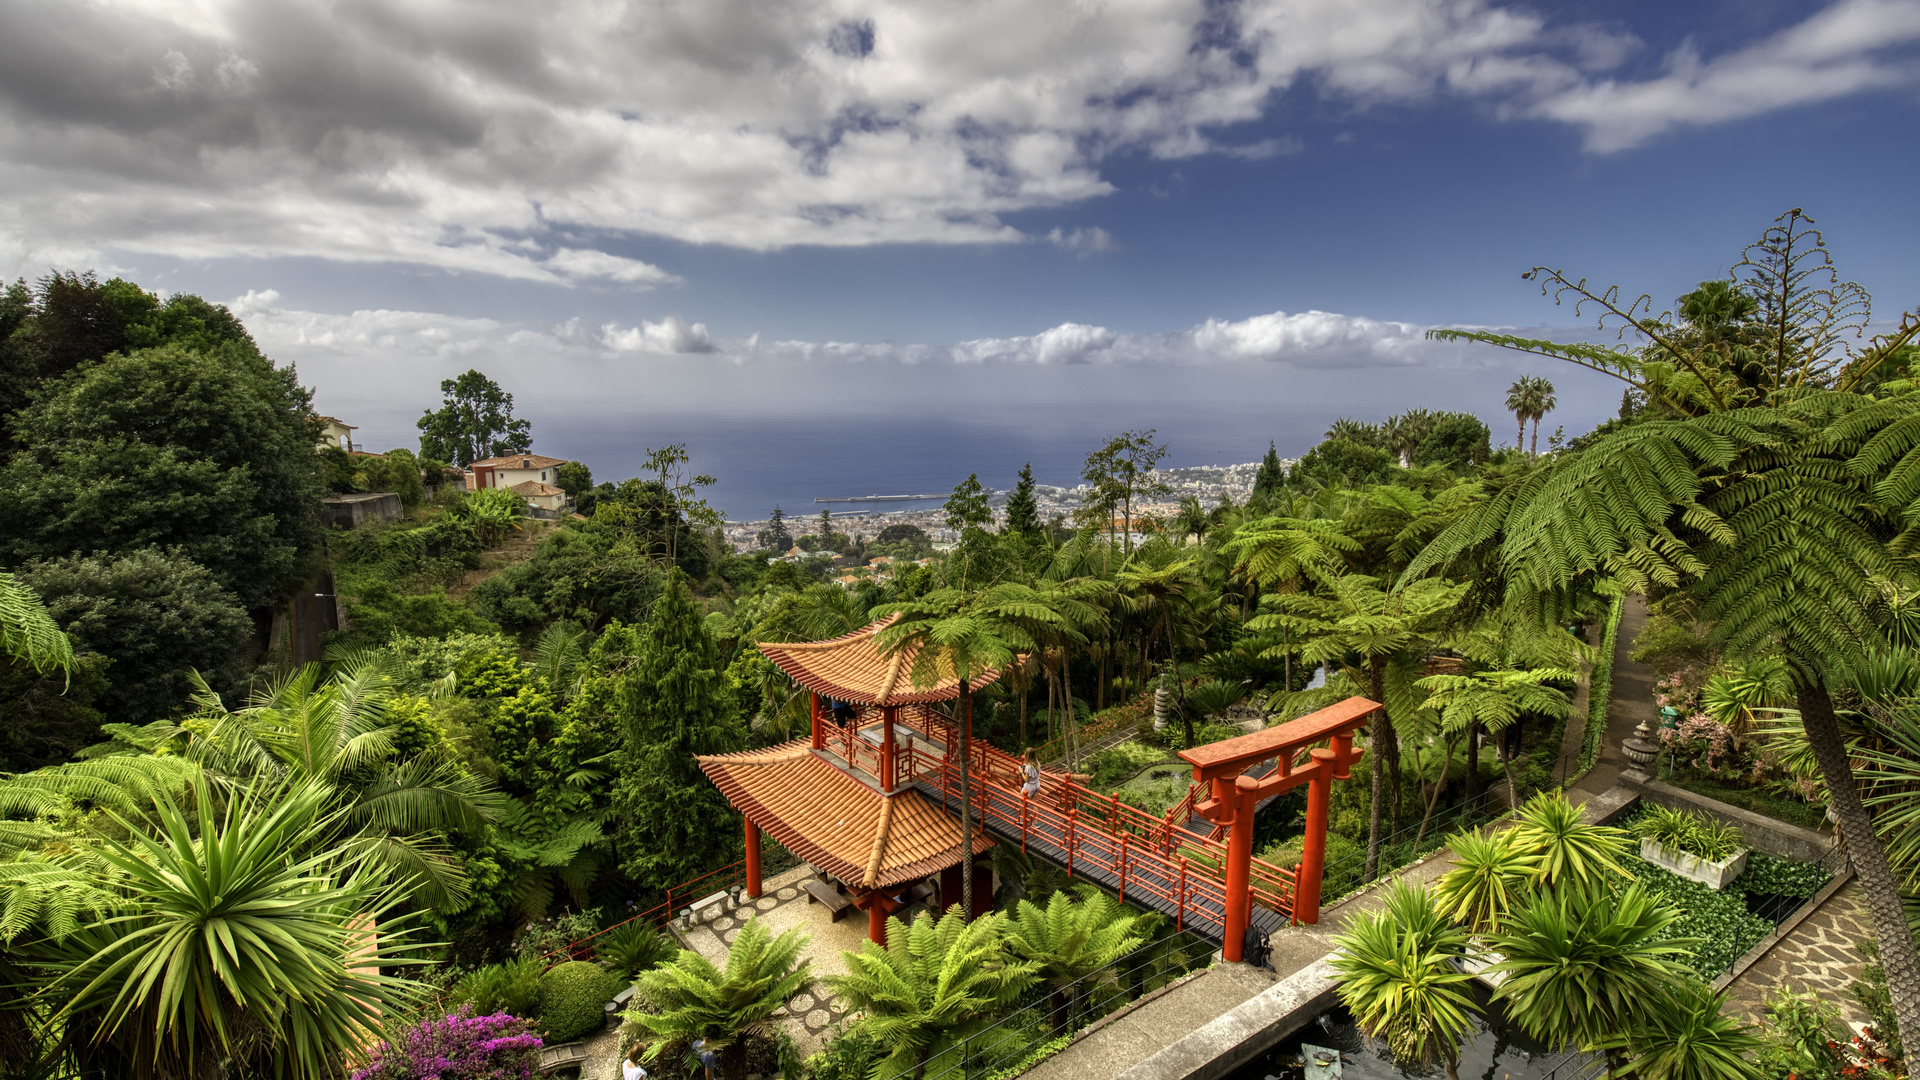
(502, 138)
(670, 335)
(1083, 242)
(577, 263)
(1852, 47)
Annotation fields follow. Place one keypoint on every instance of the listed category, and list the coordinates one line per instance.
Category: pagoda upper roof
(837, 822)
(851, 668)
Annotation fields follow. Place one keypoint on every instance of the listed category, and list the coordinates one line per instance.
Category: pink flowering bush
(459, 1047)
(1702, 736)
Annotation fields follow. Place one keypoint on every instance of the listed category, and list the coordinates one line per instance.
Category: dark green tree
(208, 454)
(967, 507)
(574, 478)
(1343, 463)
(1458, 441)
(155, 614)
(1272, 475)
(776, 537)
(674, 704)
(1023, 512)
(1122, 474)
(474, 423)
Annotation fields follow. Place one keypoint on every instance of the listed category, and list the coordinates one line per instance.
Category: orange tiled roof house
(837, 798)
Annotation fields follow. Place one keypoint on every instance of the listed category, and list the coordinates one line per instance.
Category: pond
(1497, 1050)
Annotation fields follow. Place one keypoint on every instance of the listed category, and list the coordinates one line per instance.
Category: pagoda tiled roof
(837, 822)
(851, 668)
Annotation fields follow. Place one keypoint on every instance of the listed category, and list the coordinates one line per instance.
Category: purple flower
(459, 1046)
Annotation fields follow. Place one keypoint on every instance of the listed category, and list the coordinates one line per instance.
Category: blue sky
(1232, 215)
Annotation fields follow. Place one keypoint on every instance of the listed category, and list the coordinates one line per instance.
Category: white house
(335, 433)
(513, 469)
(541, 496)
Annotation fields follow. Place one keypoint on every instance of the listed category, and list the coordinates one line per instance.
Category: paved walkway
(1818, 957)
(1630, 703)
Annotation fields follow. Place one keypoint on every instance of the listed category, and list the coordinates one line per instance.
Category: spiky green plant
(1688, 1038)
(1684, 830)
(1399, 977)
(691, 999)
(934, 982)
(233, 939)
(1489, 875)
(1569, 850)
(1583, 964)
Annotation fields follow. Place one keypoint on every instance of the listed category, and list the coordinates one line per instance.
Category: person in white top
(1030, 773)
(631, 1071)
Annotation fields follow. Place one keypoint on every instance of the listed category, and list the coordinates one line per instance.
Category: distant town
(1211, 484)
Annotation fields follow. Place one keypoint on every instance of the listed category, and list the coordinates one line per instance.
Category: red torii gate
(1235, 796)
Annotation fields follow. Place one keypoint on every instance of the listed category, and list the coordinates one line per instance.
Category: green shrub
(850, 1055)
(1782, 877)
(573, 1000)
(634, 948)
(1117, 763)
(1719, 919)
(512, 988)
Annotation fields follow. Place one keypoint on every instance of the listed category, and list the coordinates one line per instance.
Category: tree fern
(27, 633)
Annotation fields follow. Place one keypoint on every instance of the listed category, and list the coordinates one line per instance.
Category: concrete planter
(1714, 875)
(1476, 962)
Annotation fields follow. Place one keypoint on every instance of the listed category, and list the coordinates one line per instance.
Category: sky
(808, 235)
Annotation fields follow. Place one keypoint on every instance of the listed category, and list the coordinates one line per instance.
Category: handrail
(662, 913)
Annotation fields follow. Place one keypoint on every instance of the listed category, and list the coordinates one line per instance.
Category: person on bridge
(1030, 771)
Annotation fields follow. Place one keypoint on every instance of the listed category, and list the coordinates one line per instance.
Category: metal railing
(725, 879)
(1778, 910)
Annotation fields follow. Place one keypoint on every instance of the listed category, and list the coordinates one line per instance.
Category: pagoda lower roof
(851, 668)
(837, 822)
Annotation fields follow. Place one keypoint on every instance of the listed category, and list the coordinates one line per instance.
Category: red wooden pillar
(887, 768)
(753, 860)
(1313, 846)
(1239, 869)
(819, 723)
(877, 923)
(949, 887)
(982, 889)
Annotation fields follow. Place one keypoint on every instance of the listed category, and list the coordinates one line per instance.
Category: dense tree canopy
(475, 422)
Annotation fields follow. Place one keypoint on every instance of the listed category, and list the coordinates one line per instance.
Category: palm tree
(1398, 975)
(691, 999)
(963, 636)
(1069, 941)
(1494, 698)
(1689, 1038)
(1361, 625)
(1160, 592)
(1583, 965)
(1520, 404)
(233, 937)
(930, 984)
(1542, 403)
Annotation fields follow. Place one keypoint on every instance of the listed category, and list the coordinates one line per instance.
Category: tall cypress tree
(1272, 475)
(1023, 512)
(673, 705)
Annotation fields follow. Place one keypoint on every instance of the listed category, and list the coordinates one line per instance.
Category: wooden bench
(837, 902)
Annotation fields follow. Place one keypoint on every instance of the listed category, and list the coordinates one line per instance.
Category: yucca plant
(234, 940)
(1490, 874)
(1399, 978)
(1068, 940)
(933, 983)
(1568, 849)
(1684, 830)
(691, 999)
(1582, 964)
(1688, 1038)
